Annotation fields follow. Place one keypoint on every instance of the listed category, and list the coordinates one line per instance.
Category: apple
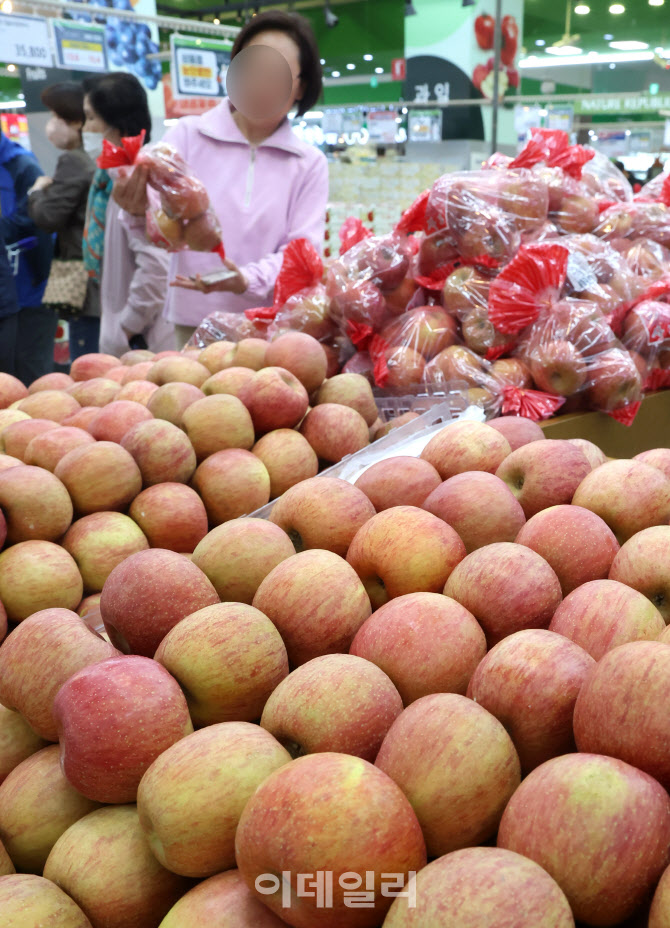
(426, 330)
(89, 604)
(161, 450)
(336, 702)
(37, 804)
(231, 380)
(171, 516)
(228, 658)
(189, 811)
(224, 896)
(131, 709)
(660, 907)
(603, 614)
(507, 587)
(47, 449)
(457, 766)
(543, 474)
(577, 214)
(517, 430)
(81, 418)
(479, 507)
(466, 446)
(628, 495)
(99, 542)
(656, 457)
(530, 682)
(553, 532)
(238, 555)
(479, 333)
(214, 356)
(117, 418)
(248, 352)
(395, 423)
(322, 512)
(138, 372)
(300, 354)
(131, 890)
(317, 603)
(6, 865)
(614, 381)
(340, 815)
(88, 366)
(28, 901)
(398, 481)
(18, 741)
(275, 399)
(335, 431)
(178, 369)
(9, 416)
(435, 251)
(136, 356)
(640, 564)
(598, 826)
(147, 594)
(172, 400)
(352, 390)
(17, 436)
(50, 404)
(404, 550)
(558, 367)
(593, 454)
(117, 373)
(288, 457)
(137, 391)
(425, 642)
(7, 461)
(99, 477)
(405, 368)
(39, 656)
(37, 575)
(459, 889)
(231, 484)
(96, 392)
(398, 300)
(512, 371)
(35, 504)
(11, 390)
(216, 423)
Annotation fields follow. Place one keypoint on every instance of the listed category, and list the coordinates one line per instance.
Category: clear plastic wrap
(645, 258)
(658, 188)
(645, 331)
(230, 327)
(180, 215)
(605, 181)
(637, 220)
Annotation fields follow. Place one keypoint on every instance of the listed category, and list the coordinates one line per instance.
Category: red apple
(507, 587)
(614, 381)
(337, 702)
(116, 419)
(641, 565)
(512, 371)
(231, 380)
(163, 453)
(425, 642)
(88, 366)
(317, 603)
(225, 896)
(275, 399)
(594, 455)
(147, 594)
(38, 575)
(660, 908)
(466, 446)
(479, 333)
(231, 484)
(138, 372)
(171, 515)
(47, 449)
(17, 436)
(96, 392)
(288, 457)
(217, 423)
(11, 390)
(543, 474)
(479, 507)
(628, 495)
(39, 656)
(350, 390)
(214, 356)
(558, 367)
(457, 766)
(600, 827)
(137, 391)
(426, 330)
(17, 741)
(398, 481)
(530, 682)
(341, 815)
(657, 457)
(99, 542)
(27, 900)
(49, 404)
(81, 418)
(404, 550)
(335, 431)
(7, 461)
(228, 658)
(35, 504)
(322, 512)
(99, 477)
(517, 430)
(300, 354)
(172, 400)
(178, 370)
(248, 352)
(136, 356)
(405, 368)
(553, 532)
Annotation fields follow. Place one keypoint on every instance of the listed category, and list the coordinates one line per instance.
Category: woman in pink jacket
(266, 186)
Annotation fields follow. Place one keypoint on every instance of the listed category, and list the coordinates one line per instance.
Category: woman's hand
(236, 283)
(130, 190)
(41, 184)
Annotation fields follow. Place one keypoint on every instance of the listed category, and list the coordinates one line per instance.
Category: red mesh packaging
(181, 215)
(637, 220)
(531, 282)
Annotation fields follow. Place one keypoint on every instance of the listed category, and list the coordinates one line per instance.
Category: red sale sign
(398, 69)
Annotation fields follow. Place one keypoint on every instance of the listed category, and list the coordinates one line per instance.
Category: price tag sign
(79, 46)
(199, 66)
(24, 40)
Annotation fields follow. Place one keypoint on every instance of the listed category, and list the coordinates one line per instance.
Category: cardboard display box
(651, 428)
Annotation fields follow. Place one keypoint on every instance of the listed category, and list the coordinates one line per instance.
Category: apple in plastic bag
(435, 251)
(526, 197)
(203, 233)
(384, 261)
(360, 302)
(184, 197)
(615, 381)
(464, 289)
(426, 329)
(577, 214)
(169, 229)
(479, 333)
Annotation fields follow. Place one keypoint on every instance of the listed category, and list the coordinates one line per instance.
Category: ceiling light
(582, 9)
(564, 50)
(323, 61)
(12, 105)
(612, 66)
(629, 46)
(545, 61)
(617, 8)
(11, 67)
(367, 57)
(540, 43)
(336, 74)
(351, 67)
(217, 22)
(656, 2)
(404, 110)
(659, 50)
(379, 70)
(6, 6)
(608, 37)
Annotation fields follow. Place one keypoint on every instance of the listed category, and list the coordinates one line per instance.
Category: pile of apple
(436, 694)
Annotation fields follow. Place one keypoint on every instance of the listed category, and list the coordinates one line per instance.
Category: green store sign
(622, 106)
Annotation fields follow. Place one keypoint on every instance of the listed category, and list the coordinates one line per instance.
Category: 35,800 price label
(24, 40)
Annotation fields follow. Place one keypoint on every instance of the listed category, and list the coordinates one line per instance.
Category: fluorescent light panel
(544, 61)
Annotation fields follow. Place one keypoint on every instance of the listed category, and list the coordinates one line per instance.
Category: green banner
(622, 105)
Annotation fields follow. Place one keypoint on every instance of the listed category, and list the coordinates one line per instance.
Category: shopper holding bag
(265, 185)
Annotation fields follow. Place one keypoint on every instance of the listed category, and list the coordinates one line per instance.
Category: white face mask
(92, 143)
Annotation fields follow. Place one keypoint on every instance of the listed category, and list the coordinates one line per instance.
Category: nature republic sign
(623, 105)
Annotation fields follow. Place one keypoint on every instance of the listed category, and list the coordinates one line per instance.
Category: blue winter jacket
(18, 172)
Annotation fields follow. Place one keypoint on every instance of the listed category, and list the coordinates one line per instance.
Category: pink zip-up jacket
(264, 196)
